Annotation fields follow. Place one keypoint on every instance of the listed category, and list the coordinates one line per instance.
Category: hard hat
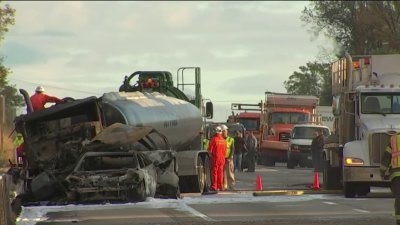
(224, 127)
(39, 89)
(218, 130)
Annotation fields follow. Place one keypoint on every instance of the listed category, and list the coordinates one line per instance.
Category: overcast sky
(81, 49)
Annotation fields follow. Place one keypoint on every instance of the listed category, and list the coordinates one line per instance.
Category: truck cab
(366, 97)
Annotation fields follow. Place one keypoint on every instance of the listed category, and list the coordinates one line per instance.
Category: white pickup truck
(299, 151)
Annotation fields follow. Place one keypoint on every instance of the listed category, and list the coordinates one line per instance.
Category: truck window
(307, 132)
(290, 118)
(387, 103)
(250, 124)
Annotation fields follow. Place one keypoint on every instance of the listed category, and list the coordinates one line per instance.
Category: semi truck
(147, 114)
(366, 100)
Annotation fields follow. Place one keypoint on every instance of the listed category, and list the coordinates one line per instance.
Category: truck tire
(330, 176)
(196, 183)
(349, 189)
(363, 189)
(268, 161)
(290, 163)
(207, 173)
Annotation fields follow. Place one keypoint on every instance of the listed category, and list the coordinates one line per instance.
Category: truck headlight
(349, 161)
(294, 148)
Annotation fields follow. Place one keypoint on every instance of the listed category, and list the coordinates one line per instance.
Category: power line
(87, 92)
(51, 86)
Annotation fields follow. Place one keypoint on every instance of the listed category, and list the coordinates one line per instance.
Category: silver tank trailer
(178, 120)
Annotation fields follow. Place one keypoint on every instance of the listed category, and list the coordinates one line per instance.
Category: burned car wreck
(76, 152)
(125, 176)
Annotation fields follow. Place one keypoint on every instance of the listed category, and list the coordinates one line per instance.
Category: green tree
(313, 79)
(359, 27)
(7, 18)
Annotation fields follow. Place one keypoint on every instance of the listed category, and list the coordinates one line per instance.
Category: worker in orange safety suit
(217, 149)
(39, 99)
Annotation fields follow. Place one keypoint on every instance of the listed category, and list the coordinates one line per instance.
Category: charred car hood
(122, 134)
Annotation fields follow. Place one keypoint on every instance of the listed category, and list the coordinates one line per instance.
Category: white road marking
(189, 209)
(330, 203)
(361, 211)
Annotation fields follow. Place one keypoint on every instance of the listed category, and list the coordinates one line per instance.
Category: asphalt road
(237, 207)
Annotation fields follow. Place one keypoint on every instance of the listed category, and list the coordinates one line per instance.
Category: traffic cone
(259, 186)
(315, 185)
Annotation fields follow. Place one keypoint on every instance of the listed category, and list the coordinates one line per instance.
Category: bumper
(300, 155)
(275, 145)
(362, 174)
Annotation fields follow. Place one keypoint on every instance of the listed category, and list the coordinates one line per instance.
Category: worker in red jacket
(39, 99)
(217, 149)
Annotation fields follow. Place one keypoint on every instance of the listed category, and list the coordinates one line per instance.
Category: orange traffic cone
(259, 186)
(315, 185)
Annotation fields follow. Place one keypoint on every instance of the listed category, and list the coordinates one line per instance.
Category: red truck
(273, 120)
(250, 120)
(279, 114)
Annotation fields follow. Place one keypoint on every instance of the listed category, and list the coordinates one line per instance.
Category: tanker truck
(57, 137)
(366, 106)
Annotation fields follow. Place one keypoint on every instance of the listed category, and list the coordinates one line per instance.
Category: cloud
(53, 33)
(243, 48)
(19, 54)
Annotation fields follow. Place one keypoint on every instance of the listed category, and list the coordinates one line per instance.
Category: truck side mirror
(336, 105)
(209, 110)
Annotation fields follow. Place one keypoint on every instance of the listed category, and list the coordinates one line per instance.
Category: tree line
(12, 99)
(357, 27)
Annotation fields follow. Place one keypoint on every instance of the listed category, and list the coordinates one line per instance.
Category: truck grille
(284, 137)
(379, 142)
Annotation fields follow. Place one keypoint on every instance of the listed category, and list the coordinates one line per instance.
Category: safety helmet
(218, 130)
(39, 89)
(224, 127)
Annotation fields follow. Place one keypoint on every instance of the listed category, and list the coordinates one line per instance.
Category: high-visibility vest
(18, 140)
(394, 140)
(229, 144)
(205, 143)
(395, 162)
